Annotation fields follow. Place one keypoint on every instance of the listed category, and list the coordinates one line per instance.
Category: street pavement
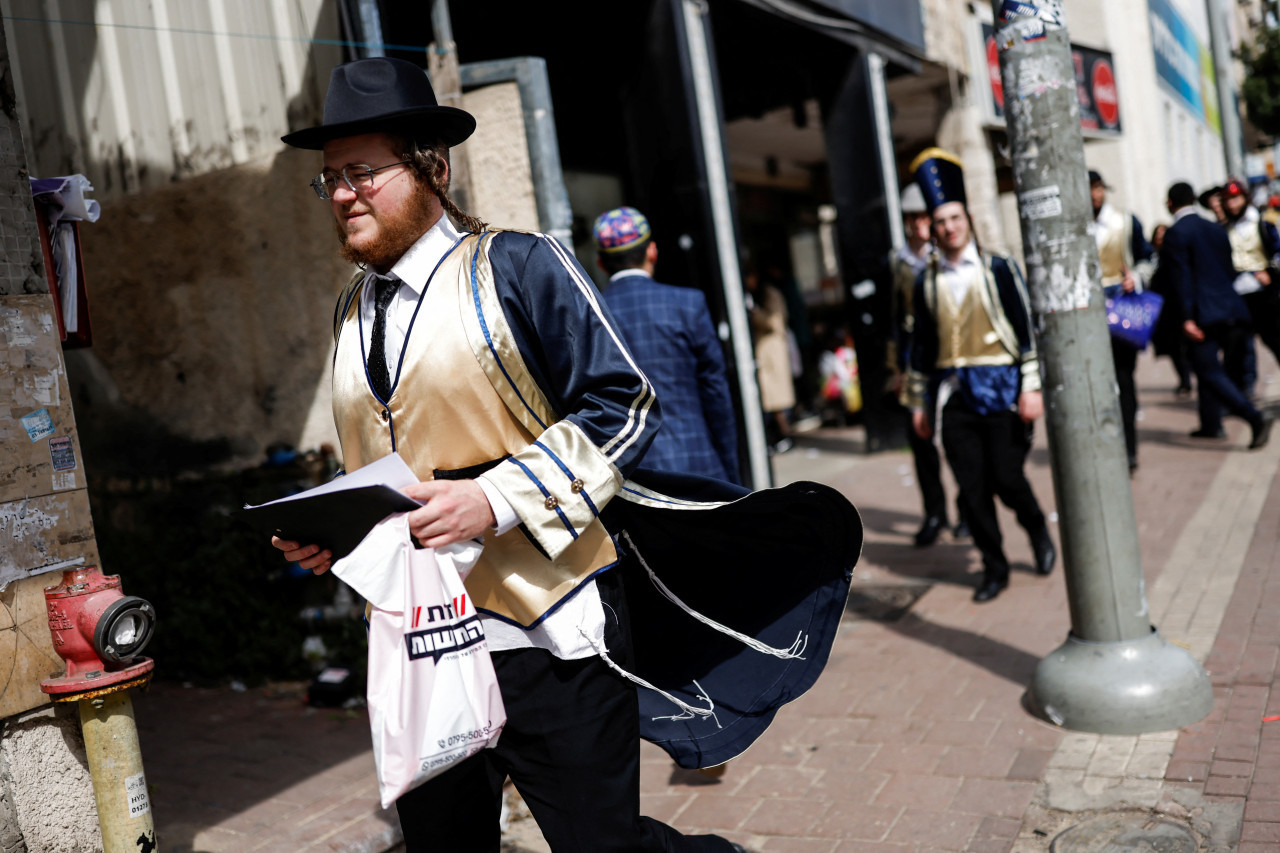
(915, 739)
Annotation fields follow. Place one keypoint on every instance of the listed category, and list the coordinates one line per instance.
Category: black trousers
(987, 454)
(1125, 358)
(1217, 360)
(1181, 358)
(571, 747)
(928, 474)
(1264, 311)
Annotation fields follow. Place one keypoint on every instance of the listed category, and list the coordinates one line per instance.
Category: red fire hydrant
(100, 632)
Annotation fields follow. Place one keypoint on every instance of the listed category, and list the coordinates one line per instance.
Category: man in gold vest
(1126, 256)
(1255, 245)
(975, 374)
(488, 362)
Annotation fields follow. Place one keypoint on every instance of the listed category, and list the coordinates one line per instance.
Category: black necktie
(379, 375)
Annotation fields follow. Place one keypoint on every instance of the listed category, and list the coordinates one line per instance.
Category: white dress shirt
(559, 632)
(961, 275)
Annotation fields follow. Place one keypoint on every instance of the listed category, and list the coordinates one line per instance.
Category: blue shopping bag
(1131, 317)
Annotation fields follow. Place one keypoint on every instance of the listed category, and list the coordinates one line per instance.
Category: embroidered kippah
(620, 229)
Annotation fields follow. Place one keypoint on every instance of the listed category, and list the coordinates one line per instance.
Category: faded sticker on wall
(44, 534)
(38, 424)
(62, 452)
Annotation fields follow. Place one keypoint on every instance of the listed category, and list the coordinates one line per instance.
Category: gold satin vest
(966, 335)
(1113, 237)
(1247, 252)
(447, 415)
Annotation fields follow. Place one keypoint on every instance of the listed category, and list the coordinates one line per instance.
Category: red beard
(397, 231)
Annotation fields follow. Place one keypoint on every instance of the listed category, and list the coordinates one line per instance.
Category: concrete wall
(212, 304)
(52, 791)
(139, 93)
(40, 751)
(948, 29)
(498, 159)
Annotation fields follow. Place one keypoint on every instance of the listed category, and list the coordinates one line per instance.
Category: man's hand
(1130, 282)
(311, 557)
(455, 510)
(1263, 277)
(1030, 406)
(1192, 331)
(920, 423)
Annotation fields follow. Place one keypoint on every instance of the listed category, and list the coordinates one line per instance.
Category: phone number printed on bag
(453, 756)
(466, 737)
(435, 643)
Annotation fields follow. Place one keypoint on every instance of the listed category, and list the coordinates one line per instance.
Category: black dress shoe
(989, 590)
(930, 530)
(1045, 552)
(961, 531)
(1262, 432)
(1208, 433)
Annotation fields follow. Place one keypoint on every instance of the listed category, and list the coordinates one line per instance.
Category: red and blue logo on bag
(460, 631)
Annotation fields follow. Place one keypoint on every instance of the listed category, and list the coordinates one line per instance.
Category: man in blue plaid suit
(670, 333)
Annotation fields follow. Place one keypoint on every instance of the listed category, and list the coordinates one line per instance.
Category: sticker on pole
(1021, 30)
(1047, 11)
(1042, 203)
(135, 791)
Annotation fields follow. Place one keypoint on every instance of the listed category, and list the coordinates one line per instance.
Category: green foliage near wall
(1261, 87)
(228, 606)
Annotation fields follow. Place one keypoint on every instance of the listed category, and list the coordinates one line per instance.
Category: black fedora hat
(380, 94)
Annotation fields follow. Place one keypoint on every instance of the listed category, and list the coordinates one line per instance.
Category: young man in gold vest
(1255, 249)
(487, 361)
(1126, 256)
(975, 374)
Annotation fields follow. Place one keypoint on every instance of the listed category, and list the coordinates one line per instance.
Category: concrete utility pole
(1228, 111)
(1114, 674)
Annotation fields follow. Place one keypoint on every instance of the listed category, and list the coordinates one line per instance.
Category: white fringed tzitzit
(689, 711)
(794, 652)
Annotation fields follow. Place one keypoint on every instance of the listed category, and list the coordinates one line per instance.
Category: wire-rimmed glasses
(356, 176)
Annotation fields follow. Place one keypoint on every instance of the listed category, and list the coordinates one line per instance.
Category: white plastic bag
(433, 696)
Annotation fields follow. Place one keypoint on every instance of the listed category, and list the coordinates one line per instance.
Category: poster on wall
(1095, 87)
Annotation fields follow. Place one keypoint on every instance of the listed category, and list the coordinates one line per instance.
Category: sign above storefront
(903, 21)
(1184, 64)
(1095, 87)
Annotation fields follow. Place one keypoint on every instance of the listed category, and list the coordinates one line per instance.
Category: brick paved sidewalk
(915, 739)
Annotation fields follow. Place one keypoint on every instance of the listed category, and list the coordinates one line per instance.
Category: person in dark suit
(1198, 255)
(669, 331)
(1168, 339)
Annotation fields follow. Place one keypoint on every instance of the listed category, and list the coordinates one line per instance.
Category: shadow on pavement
(242, 761)
(1008, 662)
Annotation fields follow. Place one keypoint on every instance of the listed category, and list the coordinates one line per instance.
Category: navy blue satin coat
(774, 564)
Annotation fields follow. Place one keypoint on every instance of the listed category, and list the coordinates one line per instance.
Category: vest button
(386, 416)
(552, 503)
(577, 486)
